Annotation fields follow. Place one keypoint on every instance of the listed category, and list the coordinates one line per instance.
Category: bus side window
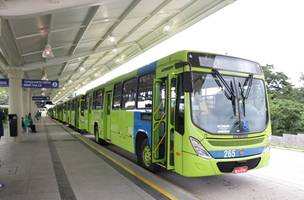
(129, 93)
(144, 93)
(97, 99)
(180, 107)
(117, 96)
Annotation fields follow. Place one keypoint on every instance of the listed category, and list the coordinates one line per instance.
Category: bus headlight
(267, 147)
(199, 149)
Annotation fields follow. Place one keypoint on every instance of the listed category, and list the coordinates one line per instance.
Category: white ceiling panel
(177, 5)
(32, 44)
(61, 52)
(53, 71)
(154, 21)
(26, 26)
(84, 47)
(96, 31)
(32, 58)
(69, 18)
(112, 9)
(35, 74)
(63, 37)
(127, 25)
(144, 8)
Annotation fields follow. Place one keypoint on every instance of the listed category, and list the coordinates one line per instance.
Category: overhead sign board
(4, 82)
(40, 98)
(27, 83)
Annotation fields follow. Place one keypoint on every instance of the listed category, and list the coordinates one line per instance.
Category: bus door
(161, 128)
(172, 95)
(107, 115)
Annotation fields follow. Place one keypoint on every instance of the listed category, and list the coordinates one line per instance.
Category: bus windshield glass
(216, 113)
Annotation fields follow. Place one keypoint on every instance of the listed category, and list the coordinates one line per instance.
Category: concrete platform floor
(52, 164)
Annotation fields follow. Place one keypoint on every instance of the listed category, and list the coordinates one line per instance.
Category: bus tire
(144, 156)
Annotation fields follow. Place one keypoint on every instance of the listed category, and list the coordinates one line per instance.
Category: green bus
(197, 114)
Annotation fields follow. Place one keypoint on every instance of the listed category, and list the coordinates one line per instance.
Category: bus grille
(227, 167)
(235, 142)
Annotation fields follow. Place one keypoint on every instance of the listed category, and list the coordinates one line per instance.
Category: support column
(15, 103)
(34, 108)
(29, 101)
(25, 106)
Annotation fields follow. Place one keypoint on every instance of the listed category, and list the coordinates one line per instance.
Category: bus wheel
(144, 157)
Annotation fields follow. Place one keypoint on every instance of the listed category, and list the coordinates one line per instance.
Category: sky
(266, 31)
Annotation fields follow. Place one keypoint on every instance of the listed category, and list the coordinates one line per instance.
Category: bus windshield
(216, 113)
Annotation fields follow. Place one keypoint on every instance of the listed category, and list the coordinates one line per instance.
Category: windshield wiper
(247, 84)
(228, 90)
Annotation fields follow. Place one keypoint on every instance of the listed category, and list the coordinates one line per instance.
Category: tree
(286, 116)
(286, 102)
(276, 82)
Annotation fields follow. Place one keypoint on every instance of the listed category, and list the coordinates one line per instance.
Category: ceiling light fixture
(47, 52)
(166, 28)
(112, 39)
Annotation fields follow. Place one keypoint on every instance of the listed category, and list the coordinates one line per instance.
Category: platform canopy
(88, 38)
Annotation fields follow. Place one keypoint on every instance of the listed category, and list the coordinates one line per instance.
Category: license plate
(242, 169)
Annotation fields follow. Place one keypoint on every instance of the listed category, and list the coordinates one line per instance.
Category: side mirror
(187, 82)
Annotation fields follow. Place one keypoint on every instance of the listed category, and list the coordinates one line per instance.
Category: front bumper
(195, 166)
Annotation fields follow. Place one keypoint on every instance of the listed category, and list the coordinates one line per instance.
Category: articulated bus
(197, 114)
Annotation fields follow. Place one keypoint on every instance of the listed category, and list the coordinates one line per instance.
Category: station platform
(59, 163)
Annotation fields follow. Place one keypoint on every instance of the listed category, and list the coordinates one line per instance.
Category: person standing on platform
(32, 125)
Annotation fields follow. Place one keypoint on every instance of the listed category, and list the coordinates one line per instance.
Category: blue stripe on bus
(147, 69)
(142, 126)
(238, 152)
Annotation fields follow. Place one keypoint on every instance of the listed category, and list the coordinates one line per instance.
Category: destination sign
(27, 83)
(4, 82)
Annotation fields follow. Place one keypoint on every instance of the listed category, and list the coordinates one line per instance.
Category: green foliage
(286, 116)
(286, 103)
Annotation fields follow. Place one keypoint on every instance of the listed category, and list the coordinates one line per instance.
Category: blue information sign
(4, 82)
(40, 98)
(27, 83)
